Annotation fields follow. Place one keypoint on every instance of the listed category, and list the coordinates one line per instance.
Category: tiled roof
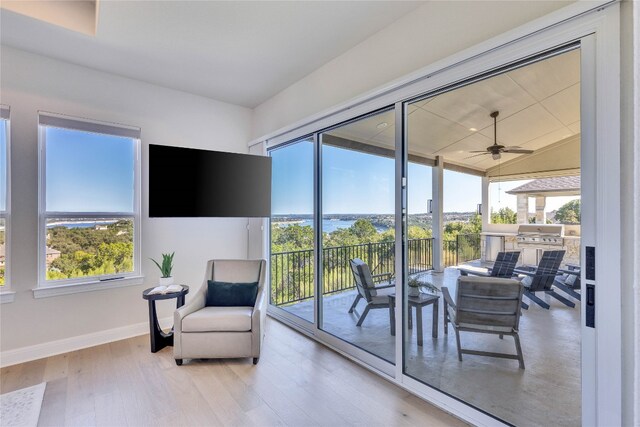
(547, 185)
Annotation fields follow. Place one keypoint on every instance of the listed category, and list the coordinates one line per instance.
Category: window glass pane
(3, 256)
(358, 232)
(3, 165)
(558, 209)
(419, 220)
(462, 223)
(503, 207)
(88, 247)
(292, 267)
(88, 172)
(526, 159)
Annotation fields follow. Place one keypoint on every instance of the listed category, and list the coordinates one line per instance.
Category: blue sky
(355, 182)
(89, 172)
(3, 165)
(93, 172)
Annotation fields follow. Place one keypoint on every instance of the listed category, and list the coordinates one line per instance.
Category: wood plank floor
(298, 382)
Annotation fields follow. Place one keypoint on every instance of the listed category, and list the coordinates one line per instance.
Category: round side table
(160, 339)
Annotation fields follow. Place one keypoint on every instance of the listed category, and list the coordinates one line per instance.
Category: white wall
(30, 83)
(430, 33)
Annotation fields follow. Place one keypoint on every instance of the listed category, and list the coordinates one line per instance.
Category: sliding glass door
(472, 337)
(358, 236)
(396, 203)
(292, 230)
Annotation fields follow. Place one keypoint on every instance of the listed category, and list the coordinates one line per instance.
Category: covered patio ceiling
(539, 108)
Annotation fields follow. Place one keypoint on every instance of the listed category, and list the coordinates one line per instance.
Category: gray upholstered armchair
(222, 332)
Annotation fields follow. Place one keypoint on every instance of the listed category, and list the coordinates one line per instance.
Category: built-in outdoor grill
(549, 234)
(533, 239)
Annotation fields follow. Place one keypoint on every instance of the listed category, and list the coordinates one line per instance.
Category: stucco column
(541, 203)
(523, 208)
(486, 212)
(437, 217)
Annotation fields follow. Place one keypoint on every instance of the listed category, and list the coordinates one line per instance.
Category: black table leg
(159, 339)
(392, 315)
(434, 324)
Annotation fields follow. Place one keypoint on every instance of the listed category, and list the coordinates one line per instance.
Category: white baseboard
(51, 348)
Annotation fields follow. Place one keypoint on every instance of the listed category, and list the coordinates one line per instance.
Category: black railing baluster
(293, 271)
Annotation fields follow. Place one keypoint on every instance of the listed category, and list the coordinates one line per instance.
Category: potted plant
(416, 286)
(165, 269)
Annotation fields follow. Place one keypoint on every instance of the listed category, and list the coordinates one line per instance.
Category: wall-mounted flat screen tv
(186, 182)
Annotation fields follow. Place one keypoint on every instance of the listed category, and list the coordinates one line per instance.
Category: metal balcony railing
(292, 273)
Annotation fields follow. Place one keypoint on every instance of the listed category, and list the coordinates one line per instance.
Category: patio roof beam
(350, 144)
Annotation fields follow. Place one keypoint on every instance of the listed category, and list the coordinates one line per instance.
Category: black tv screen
(186, 182)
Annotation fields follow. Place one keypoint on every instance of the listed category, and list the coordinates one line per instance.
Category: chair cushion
(382, 296)
(218, 319)
(526, 281)
(481, 328)
(452, 316)
(224, 294)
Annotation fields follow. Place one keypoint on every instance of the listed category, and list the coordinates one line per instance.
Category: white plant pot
(413, 292)
(166, 281)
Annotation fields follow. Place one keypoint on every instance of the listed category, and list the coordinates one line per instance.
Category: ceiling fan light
(496, 156)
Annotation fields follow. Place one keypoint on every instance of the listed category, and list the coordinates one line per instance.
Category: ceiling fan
(496, 149)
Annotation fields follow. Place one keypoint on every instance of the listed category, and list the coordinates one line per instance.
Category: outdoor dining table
(417, 302)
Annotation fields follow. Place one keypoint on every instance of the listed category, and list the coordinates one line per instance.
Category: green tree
(504, 216)
(291, 238)
(416, 232)
(65, 265)
(364, 230)
(90, 251)
(452, 229)
(569, 213)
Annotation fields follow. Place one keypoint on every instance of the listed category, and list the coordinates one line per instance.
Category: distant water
(78, 224)
(331, 225)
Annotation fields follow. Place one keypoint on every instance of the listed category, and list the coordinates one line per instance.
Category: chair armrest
(525, 272)
(260, 307)
(383, 286)
(196, 303)
(383, 275)
(447, 297)
(477, 271)
(258, 319)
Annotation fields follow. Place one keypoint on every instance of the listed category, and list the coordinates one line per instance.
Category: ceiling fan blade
(479, 151)
(477, 155)
(517, 150)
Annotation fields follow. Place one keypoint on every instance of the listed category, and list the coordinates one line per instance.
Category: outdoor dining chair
(541, 279)
(487, 305)
(502, 267)
(367, 288)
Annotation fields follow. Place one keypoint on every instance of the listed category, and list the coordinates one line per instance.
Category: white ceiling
(539, 104)
(238, 52)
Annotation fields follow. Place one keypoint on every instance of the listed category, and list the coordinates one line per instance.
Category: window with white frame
(89, 201)
(4, 197)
